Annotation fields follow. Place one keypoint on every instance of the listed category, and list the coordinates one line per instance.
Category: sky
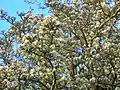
(12, 6)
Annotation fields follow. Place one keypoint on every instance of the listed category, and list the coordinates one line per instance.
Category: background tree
(76, 47)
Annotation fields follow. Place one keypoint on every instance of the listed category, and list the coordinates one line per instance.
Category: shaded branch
(84, 37)
(103, 9)
(115, 74)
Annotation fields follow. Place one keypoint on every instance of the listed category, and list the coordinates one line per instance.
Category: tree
(76, 47)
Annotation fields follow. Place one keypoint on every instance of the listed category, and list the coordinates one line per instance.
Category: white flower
(18, 38)
(97, 23)
(22, 34)
(11, 30)
(34, 35)
(8, 84)
(46, 17)
(26, 41)
(93, 80)
(57, 22)
(54, 19)
(23, 39)
(1, 67)
(27, 15)
(32, 72)
(48, 70)
(35, 42)
(97, 55)
(40, 31)
(52, 46)
(107, 45)
(20, 45)
(103, 4)
(27, 35)
(60, 39)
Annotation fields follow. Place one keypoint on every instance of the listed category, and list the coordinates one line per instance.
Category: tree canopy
(76, 47)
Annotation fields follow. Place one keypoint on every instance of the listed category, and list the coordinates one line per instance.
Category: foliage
(77, 47)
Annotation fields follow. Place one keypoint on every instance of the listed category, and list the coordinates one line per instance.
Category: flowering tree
(77, 47)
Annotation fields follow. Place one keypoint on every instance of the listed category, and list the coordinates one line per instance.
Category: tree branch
(115, 74)
(103, 10)
(115, 84)
(34, 80)
(102, 24)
